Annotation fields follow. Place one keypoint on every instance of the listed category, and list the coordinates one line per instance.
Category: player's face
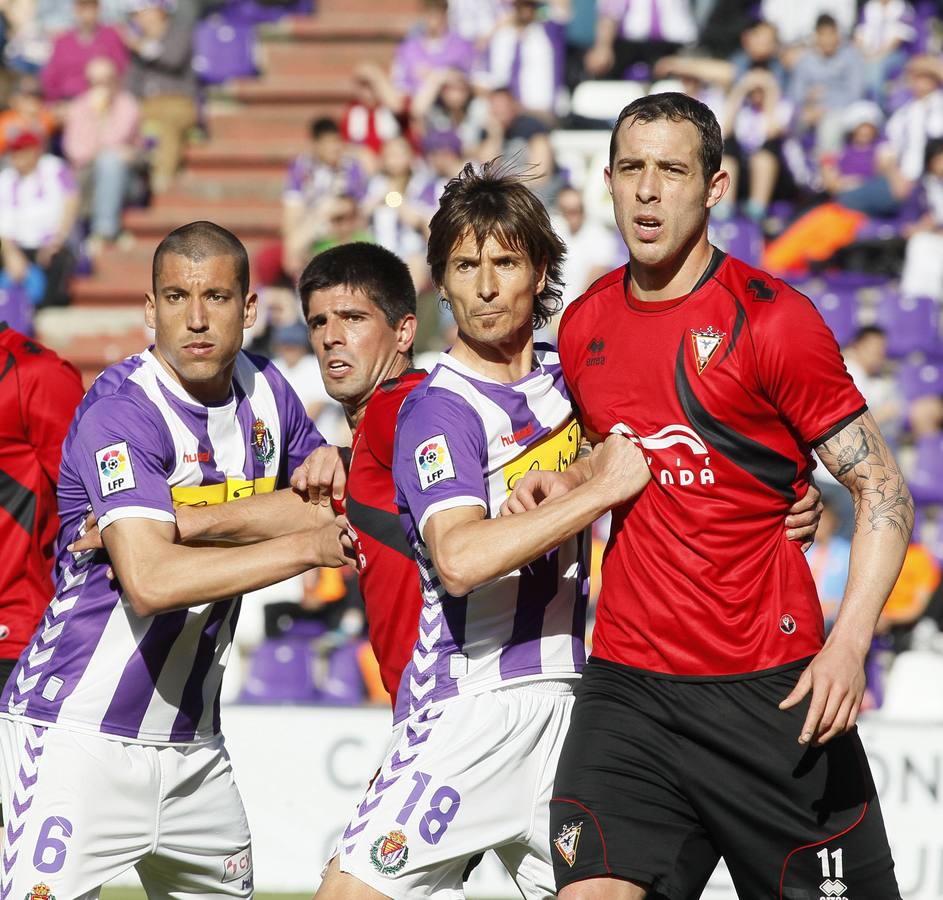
(356, 347)
(658, 190)
(199, 314)
(491, 291)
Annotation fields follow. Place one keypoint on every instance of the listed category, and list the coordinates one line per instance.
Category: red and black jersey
(38, 396)
(389, 580)
(726, 388)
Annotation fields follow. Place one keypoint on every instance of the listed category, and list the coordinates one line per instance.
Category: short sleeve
(439, 456)
(801, 368)
(123, 458)
(566, 348)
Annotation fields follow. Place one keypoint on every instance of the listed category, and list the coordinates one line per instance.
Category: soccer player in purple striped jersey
(112, 751)
(484, 703)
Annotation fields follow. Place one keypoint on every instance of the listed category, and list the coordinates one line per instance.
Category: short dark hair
(934, 148)
(202, 240)
(866, 331)
(379, 274)
(322, 126)
(825, 20)
(677, 107)
(494, 201)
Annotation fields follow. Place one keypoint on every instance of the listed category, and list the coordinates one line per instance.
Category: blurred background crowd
(302, 124)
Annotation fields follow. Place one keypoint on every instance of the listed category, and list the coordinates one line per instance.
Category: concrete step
(243, 127)
(406, 8)
(346, 25)
(217, 184)
(326, 59)
(92, 339)
(244, 220)
(290, 91)
(236, 154)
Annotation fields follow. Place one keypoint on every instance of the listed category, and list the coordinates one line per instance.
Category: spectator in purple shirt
(526, 56)
(432, 46)
(64, 76)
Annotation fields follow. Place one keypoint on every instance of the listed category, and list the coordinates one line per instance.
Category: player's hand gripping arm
(537, 486)
(158, 575)
(261, 516)
(884, 516)
(468, 550)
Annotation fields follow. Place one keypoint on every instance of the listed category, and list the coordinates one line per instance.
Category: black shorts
(660, 777)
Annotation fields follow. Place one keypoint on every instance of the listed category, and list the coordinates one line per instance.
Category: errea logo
(595, 349)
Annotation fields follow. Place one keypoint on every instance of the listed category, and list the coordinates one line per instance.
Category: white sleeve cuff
(450, 503)
(135, 512)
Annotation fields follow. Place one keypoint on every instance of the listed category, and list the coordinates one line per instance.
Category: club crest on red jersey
(568, 840)
(706, 341)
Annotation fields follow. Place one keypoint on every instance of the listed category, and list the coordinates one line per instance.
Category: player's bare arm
(158, 575)
(860, 459)
(469, 550)
(539, 485)
(260, 517)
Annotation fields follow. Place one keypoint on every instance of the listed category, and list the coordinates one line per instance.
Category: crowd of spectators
(832, 115)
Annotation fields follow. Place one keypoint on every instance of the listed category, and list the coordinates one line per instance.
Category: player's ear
(717, 187)
(405, 333)
(251, 311)
(541, 277)
(150, 311)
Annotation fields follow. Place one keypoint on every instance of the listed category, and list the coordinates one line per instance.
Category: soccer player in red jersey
(38, 396)
(709, 661)
(360, 305)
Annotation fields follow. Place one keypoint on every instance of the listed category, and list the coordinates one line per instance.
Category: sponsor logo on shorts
(832, 888)
(115, 472)
(567, 841)
(433, 462)
(239, 865)
(389, 853)
(787, 624)
(40, 891)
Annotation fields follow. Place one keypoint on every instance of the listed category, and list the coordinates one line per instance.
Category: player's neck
(215, 390)
(355, 412)
(675, 279)
(506, 361)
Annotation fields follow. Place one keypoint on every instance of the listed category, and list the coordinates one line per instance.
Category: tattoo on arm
(585, 450)
(860, 459)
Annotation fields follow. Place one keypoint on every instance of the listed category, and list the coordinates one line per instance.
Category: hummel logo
(595, 347)
(761, 290)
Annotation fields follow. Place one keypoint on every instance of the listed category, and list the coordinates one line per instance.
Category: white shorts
(471, 774)
(80, 809)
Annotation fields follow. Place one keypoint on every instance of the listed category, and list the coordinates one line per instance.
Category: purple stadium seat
(740, 237)
(911, 323)
(926, 479)
(223, 48)
(255, 12)
(839, 308)
(343, 684)
(280, 672)
(920, 379)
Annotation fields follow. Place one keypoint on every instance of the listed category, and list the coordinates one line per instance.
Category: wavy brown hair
(491, 200)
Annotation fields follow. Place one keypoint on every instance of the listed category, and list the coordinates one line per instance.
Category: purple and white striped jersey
(140, 443)
(463, 439)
